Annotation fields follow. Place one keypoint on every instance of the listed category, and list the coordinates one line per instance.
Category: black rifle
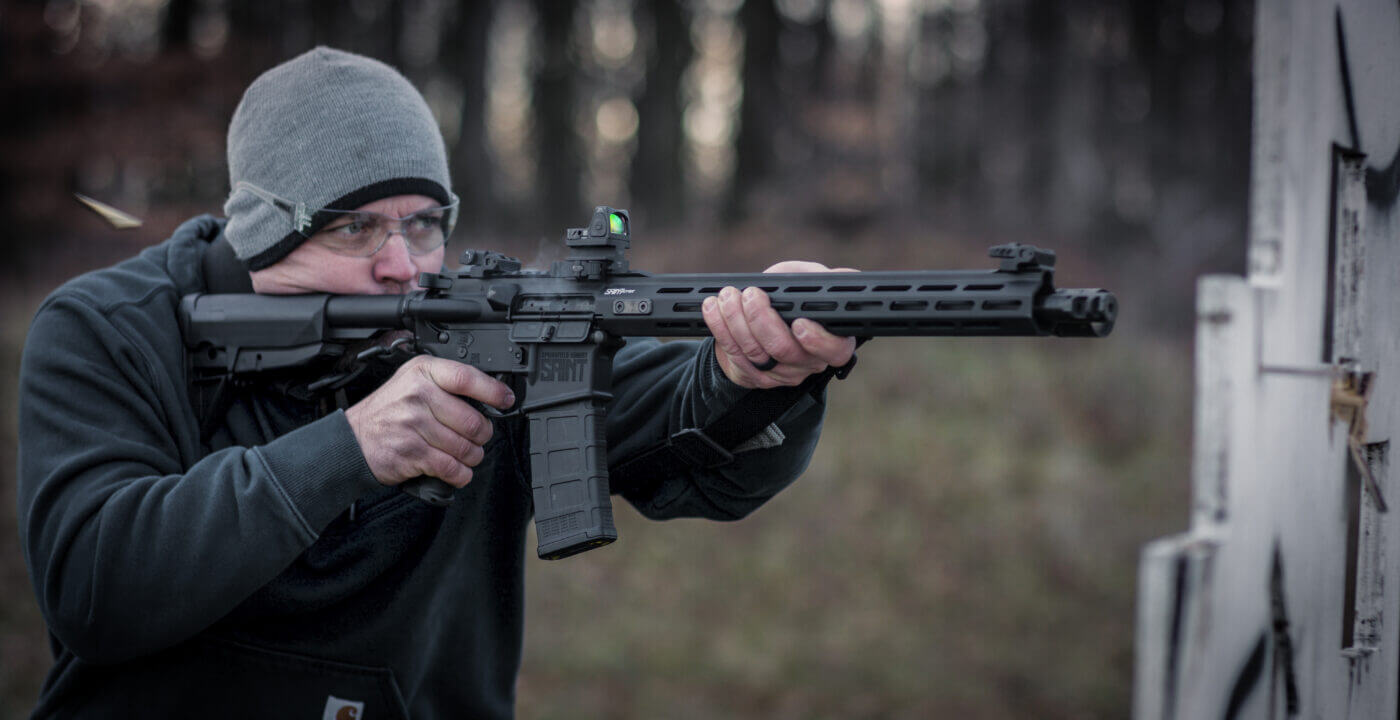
(552, 336)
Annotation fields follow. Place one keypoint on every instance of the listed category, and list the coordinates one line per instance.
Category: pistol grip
(429, 489)
(569, 477)
(433, 490)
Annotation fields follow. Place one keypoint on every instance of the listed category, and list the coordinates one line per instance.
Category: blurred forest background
(965, 541)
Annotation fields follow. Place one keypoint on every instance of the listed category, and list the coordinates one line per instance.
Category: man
(270, 566)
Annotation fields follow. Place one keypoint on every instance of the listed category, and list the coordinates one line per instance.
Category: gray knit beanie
(325, 130)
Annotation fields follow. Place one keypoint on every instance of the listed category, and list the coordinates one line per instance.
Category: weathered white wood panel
(1283, 598)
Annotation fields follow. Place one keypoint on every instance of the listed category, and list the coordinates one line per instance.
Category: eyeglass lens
(363, 234)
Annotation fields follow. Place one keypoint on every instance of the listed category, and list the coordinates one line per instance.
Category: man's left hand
(749, 334)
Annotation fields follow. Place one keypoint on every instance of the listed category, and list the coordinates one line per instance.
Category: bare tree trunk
(759, 114)
(658, 168)
(464, 56)
(560, 164)
(176, 29)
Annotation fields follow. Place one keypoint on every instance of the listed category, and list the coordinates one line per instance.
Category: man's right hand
(418, 423)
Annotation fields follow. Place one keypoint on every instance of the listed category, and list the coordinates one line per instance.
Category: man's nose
(393, 263)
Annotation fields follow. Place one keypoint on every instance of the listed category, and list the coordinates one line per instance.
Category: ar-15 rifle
(552, 336)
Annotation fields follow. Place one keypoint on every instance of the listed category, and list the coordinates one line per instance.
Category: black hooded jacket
(180, 578)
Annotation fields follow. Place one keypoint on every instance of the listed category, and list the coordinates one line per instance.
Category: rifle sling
(712, 446)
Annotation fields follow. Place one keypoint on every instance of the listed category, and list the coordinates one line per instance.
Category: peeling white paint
(1275, 603)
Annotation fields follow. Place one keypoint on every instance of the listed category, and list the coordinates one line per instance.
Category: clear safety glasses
(361, 234)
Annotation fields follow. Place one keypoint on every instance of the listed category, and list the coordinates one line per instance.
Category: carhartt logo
(340, 709)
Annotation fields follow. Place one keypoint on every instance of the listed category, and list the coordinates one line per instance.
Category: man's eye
(350, 229)
(425, 222)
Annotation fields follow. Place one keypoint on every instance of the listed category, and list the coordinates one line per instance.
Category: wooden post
(1275, 603)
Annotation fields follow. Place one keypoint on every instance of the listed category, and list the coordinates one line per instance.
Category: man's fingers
(804, 266)
(731, 310)
(466, 381)
(817, 341)
(736, 366)
(420, 423)
(724, 341)
(464, 449)
(462, 419)
(756, 348)
(441, 465)
(773, 334)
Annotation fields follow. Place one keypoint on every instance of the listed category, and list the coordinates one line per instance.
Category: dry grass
(963, 545)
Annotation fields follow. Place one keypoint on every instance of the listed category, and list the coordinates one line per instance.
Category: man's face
(315, 268)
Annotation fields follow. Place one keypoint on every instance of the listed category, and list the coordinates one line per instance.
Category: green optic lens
(615, 224)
